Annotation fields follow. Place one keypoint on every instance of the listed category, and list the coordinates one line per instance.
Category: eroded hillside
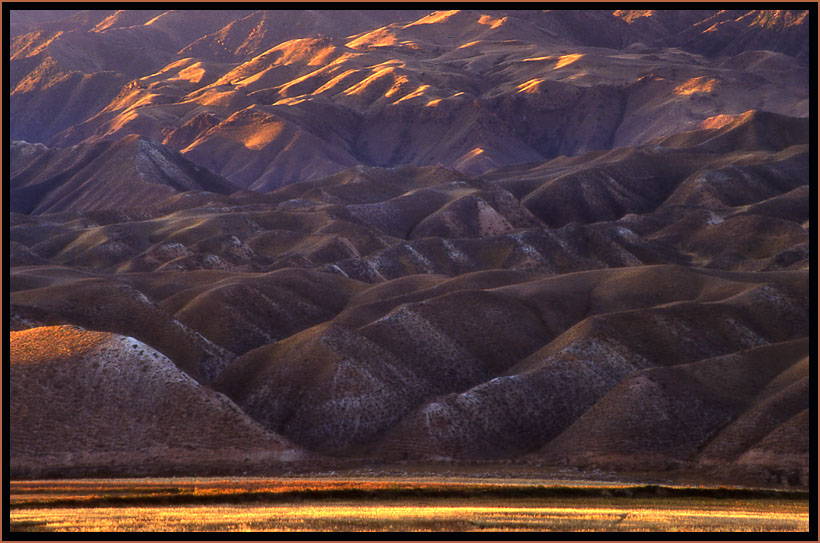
(565, 239)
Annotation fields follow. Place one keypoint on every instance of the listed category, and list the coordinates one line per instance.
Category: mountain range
(292, 238)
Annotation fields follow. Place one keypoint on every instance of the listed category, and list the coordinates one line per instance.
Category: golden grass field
(251, 504)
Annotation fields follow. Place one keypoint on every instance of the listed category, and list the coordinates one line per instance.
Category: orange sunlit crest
(530, 87)
(435, 17)
(696, 85)
(566, 60)
(717, 121)
(492, 22)
(632, 15)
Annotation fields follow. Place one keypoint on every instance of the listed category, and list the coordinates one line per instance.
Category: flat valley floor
(396, 504)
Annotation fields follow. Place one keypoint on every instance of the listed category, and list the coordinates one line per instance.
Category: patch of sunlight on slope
(260, 137)
(292, 101)
(193, 73)
(398, 83)
(530, 87)
(695, 85)
(336, 81)
(437, 101)
(155, 19)
(381, 74)
(284, 90)
(310, 51)
(418, 92)
(25, 44)
(778, 18)
(632, 15)
(381, 37)
(492, 22)
(717, 121)
(435, 18)
(189, 69)
(566, 60)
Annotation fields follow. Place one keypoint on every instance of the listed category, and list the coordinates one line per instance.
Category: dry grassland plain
(259, 504)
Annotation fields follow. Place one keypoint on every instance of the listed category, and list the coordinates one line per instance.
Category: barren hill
(274, 97)
(111, 403)
(418, 313)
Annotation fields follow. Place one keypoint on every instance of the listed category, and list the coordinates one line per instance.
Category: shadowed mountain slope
(131, 172)
(670, 414)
